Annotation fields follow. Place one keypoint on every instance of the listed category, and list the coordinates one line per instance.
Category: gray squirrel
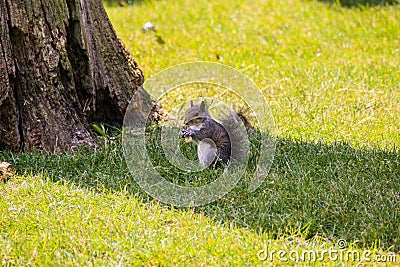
(212, 139)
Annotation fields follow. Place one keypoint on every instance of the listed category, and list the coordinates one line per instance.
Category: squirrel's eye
(196, 114)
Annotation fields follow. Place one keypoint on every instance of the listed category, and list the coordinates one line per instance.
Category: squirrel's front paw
(183, 133)
(190, 132)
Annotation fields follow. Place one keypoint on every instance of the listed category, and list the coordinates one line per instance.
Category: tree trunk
(62, 68)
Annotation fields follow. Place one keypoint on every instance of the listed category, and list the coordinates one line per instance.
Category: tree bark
(62, 68)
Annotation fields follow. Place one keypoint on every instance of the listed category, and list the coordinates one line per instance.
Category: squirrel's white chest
(206, 148)
(206, 151)
(196, 127)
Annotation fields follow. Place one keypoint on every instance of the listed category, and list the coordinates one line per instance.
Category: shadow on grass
(361, 3)
(333, 190)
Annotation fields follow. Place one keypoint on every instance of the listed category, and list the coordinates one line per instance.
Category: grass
(330, 75)
(46, 224)
(85, 209)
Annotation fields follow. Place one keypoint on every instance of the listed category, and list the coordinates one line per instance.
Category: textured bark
(62, 68)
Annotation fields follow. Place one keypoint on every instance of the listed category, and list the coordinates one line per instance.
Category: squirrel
(212, 139)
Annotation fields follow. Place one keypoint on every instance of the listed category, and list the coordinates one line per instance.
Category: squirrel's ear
(191, 103)
(202, 106)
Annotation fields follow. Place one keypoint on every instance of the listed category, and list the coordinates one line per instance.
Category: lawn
(331, 77)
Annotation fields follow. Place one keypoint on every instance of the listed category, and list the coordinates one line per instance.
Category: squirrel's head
(196, 114)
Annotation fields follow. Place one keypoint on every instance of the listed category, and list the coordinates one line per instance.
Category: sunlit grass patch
(329, 73)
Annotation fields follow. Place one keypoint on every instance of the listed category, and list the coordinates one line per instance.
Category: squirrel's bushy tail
(237, 125)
